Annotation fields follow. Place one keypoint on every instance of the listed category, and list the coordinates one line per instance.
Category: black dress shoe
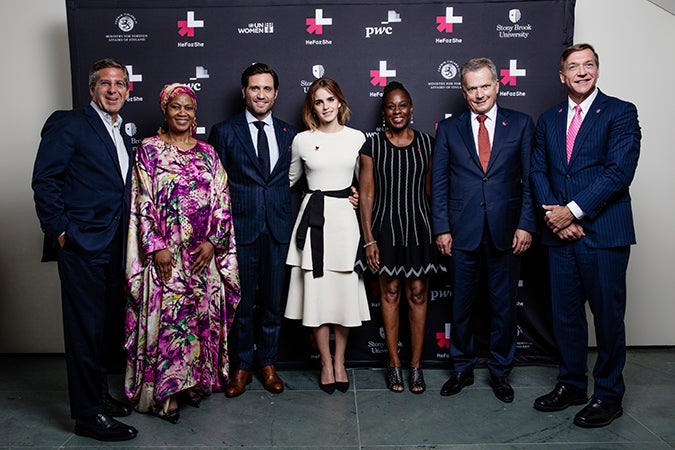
(456, 382)
(562, 396)
(114, 407)
(502, 389)
(104, 428)
(597, 413)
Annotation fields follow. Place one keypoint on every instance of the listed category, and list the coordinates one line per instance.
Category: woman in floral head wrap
(181, 265)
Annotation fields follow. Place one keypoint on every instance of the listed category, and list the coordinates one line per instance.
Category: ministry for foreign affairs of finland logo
(448, 69)
(125, 22)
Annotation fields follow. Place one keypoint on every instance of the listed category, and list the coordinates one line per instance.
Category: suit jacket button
(568, 176)
(485, 179)
(482, 203)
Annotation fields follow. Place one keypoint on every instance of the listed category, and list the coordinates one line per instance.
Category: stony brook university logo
(187, 27)
(315, 24)
(446, 22)
(514, 15)
(378, 77)
(133, 77)
(443, 337)
(510, 75)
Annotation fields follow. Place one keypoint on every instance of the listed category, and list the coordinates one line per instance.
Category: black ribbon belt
(313, 218)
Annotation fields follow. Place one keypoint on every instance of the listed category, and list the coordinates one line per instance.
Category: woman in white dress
(324, 290)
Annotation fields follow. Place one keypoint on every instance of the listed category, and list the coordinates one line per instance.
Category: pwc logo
(315, 24)
(386, 29)
(133, 77)
(446, 22)
(378, 77)
(187, 27)
(510, 75)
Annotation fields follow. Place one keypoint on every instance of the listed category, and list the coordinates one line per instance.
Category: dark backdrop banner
(363, 45)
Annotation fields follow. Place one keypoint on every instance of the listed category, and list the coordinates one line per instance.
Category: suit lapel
(466, 132)
(559, 138)
(502, 129)
(281, 134)
(243, 133)
(591, 117)
(96, 123)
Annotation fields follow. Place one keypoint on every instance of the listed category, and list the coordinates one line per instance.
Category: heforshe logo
(133, 77)
(446, 22)
(187, 27)
(378, 77)
(510, 75)
(315, 24)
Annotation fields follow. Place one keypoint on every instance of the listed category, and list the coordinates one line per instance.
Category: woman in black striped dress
(395, 219)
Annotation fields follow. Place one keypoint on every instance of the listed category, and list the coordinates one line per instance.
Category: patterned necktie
(263, 147)
(573, 130)
(483, 142)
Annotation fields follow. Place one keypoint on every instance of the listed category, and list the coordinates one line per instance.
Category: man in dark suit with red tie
(254, 148)
(81, 189)
(483, 216)
(583, 162)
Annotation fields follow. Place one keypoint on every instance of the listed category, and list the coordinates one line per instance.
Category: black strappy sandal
(394, 378)
(416, 380)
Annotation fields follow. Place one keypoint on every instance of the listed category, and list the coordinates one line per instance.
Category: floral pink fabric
(176, 331)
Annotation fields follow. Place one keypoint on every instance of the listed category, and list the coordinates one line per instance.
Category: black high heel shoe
(328, 388)
(342, 386)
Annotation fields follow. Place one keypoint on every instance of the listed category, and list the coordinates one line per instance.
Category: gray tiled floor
(34, 413)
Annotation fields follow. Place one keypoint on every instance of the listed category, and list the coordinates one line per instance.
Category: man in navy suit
(483, 216)
(257, 168)
(583, 162)
(80, 184)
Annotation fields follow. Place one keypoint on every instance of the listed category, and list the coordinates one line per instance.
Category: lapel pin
(597, 110)
(504, 123)
(316, 149)
(560, 110)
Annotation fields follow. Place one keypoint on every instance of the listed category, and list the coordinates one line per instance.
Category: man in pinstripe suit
(581, 171)
(263, 220)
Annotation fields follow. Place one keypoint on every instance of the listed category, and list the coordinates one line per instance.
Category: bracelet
(368, 244)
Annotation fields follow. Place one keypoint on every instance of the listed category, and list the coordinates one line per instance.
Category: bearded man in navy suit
(483, 216)
(582, 168)
(263, 221)
(81, 190)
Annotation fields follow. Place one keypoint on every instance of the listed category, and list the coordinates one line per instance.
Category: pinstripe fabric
(256, 200)
(593, 268)
(600, 171)
(262, 216)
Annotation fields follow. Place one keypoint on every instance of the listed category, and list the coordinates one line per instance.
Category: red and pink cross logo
(187, 27)
(378, 77)
(445, 22)
(315, 24)
(509, 75)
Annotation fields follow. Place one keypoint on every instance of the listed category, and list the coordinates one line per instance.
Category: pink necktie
(573, 130)
(483, 142)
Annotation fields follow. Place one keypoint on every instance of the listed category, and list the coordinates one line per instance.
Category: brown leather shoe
(271, 380)
(237, 384)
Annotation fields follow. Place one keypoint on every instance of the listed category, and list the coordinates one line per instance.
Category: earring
(412, 119)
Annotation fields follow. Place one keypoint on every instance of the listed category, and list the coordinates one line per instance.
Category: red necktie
(483, 142)
(573, 130)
